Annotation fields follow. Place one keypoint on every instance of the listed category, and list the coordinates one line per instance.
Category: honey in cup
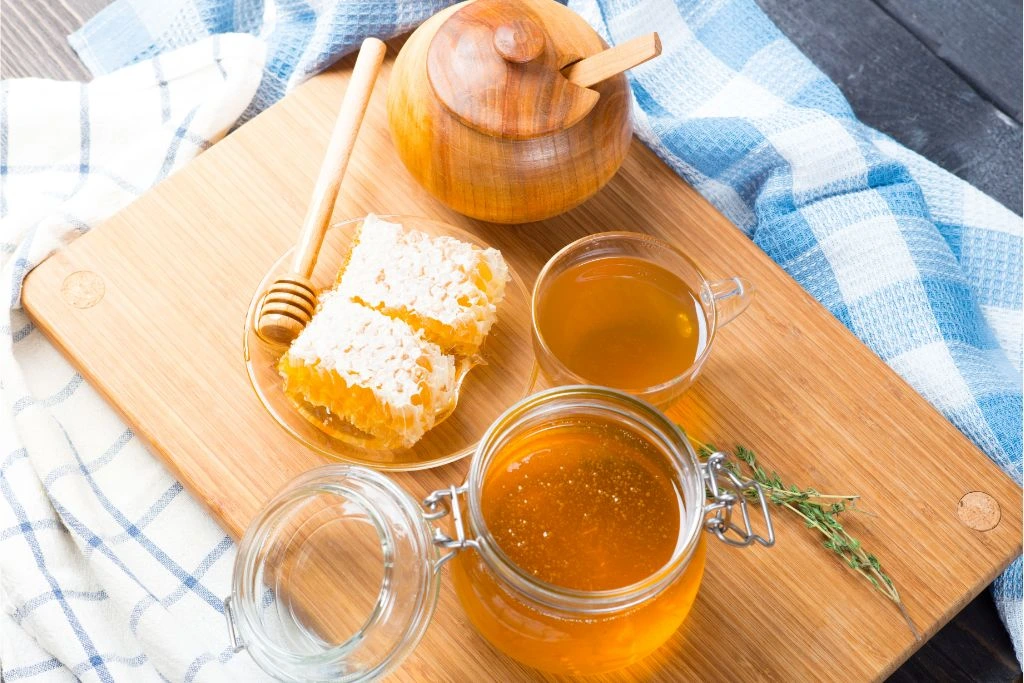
(622, 322)
(631, 312)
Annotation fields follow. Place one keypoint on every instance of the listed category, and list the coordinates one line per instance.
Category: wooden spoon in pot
(613, 61)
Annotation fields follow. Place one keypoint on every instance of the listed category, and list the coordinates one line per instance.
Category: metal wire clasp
(437, 505)
(727, 491)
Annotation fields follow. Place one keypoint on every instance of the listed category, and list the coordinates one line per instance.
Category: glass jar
(337, 577)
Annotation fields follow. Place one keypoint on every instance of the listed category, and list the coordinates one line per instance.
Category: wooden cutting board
(150, 307)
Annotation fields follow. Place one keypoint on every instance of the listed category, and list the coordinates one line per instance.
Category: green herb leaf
(819, 511)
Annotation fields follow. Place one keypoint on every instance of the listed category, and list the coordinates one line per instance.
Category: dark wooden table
(941, 76)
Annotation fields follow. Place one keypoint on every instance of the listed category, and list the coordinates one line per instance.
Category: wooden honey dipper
(289, 303)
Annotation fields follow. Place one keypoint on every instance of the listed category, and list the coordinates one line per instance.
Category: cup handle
(732, 296)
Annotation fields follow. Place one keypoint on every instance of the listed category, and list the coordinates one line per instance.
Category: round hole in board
(979, 511)
(82, 289)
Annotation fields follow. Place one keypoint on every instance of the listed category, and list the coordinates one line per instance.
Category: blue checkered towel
(922, 267)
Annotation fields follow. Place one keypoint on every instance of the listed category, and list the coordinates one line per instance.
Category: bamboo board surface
(163, 344)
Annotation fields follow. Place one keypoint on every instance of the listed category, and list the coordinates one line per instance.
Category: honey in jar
(594, 563)
(583, 504)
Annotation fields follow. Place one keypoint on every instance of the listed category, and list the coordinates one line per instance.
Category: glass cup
(718, 302)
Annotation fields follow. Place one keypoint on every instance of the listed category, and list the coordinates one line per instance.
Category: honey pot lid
(496, 66)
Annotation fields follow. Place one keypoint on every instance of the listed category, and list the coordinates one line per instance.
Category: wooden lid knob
(519, 41)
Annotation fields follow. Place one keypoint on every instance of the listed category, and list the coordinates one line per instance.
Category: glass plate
(505, 373)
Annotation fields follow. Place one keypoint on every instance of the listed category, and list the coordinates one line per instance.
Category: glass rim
(636, 237)
(670, 437)
(332, 479)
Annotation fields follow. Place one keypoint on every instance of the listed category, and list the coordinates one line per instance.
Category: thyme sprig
(819, 511)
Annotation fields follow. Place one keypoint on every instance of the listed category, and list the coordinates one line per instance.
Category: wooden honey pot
(512, 111)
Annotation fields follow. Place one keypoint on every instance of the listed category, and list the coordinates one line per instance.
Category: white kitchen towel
(108, 570)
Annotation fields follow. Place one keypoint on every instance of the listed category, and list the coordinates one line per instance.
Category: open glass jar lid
(338, 576)
(335, 578)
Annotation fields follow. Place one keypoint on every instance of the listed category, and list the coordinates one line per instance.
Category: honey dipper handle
(612, 61)
(339, 149)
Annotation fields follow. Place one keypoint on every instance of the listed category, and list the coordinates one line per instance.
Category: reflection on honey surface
(583, 504)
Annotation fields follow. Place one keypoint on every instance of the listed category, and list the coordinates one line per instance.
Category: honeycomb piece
(376, 372)
(444, 287)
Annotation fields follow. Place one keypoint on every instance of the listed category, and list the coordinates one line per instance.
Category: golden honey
(584, 505)
(622, 322)
(581, 504)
